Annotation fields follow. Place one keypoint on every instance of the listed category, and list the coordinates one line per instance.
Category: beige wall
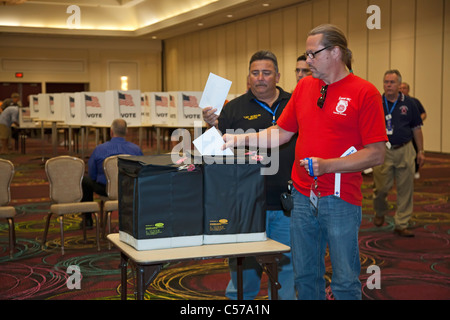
(414, 38)
(97, 61)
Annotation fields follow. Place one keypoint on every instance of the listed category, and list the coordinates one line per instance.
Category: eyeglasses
(321, 99)
(312, 55)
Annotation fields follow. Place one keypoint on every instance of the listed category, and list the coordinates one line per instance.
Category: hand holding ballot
(210, 116)
(213, 98)
(210, 143)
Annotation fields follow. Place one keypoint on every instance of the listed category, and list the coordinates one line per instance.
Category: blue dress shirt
(115, 146)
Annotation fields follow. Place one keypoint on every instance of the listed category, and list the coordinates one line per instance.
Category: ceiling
(155, 19)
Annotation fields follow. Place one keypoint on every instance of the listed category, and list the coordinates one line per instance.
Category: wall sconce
(124, 83)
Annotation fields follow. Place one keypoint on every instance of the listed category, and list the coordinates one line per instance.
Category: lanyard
(269, 110)
(393, 106)
(337, 176)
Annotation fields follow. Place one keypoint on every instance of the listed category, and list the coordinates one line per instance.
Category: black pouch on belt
(286, 198)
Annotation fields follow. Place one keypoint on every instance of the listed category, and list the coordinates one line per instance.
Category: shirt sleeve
(15, 116)
(288, 118)
(416, 118)
(371, 120)
(92, 165)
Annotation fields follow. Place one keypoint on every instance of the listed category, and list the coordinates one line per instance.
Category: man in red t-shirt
(340, 125)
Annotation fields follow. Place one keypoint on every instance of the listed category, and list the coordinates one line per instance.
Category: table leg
(144, 276)
(158, 137)
(240, 289)
(274, 284)
(123, 271)
(140, 282)
(70, 140)
(269, 264)
(54, 139)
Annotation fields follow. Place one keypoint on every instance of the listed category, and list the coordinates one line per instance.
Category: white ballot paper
(215, 92)
(210, 144)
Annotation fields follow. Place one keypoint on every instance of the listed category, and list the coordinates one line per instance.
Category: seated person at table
(96, 180)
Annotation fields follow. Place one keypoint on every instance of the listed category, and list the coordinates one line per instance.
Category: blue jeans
(278, 229)
(335, 223)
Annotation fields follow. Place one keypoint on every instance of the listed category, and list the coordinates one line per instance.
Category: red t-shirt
(352, 115)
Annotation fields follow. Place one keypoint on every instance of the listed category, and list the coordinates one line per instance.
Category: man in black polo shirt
(403, 124)
(258, 109)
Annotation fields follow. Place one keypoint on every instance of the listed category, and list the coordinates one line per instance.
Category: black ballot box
(160, 202)
(234, 199)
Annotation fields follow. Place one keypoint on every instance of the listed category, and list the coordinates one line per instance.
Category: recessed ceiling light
(265, 4)
(229, 16)
(154, 37)
(200, 24)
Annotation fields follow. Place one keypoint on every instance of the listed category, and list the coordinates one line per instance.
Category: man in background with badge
(403, 124)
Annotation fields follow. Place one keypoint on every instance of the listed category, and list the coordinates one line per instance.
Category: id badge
(389, 128)
(313, 198)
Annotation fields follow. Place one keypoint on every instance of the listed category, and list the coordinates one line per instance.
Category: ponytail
(334, 37)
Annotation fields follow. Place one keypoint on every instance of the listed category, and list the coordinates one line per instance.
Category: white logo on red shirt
(342, 105)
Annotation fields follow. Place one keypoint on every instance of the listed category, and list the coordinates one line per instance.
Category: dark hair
(334, 37)
(264, 55)
(302, 57)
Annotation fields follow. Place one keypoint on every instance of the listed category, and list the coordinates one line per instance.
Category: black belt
(398, 146)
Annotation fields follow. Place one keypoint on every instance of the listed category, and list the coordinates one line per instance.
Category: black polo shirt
(244, 112)
(405, 117)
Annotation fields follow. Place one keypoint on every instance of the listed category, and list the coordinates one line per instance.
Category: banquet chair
(112, 203)
(65, 174)
(7, 212)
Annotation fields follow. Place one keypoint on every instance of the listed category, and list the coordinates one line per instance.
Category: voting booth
(34, 106)
(93, 109)
(188, 110)
(158, 107)
(160, 203)
(145, 110)
(125, 105)
(25, 120)
(173, 111)
(72, 108)
(55, 107)
(38, 106)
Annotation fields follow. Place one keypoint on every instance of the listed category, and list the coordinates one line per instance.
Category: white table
(148, 263)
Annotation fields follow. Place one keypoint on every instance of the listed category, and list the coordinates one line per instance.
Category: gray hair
(394, 71)
(119, 127)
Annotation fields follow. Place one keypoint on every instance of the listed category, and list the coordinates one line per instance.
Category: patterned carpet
(410, 268)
